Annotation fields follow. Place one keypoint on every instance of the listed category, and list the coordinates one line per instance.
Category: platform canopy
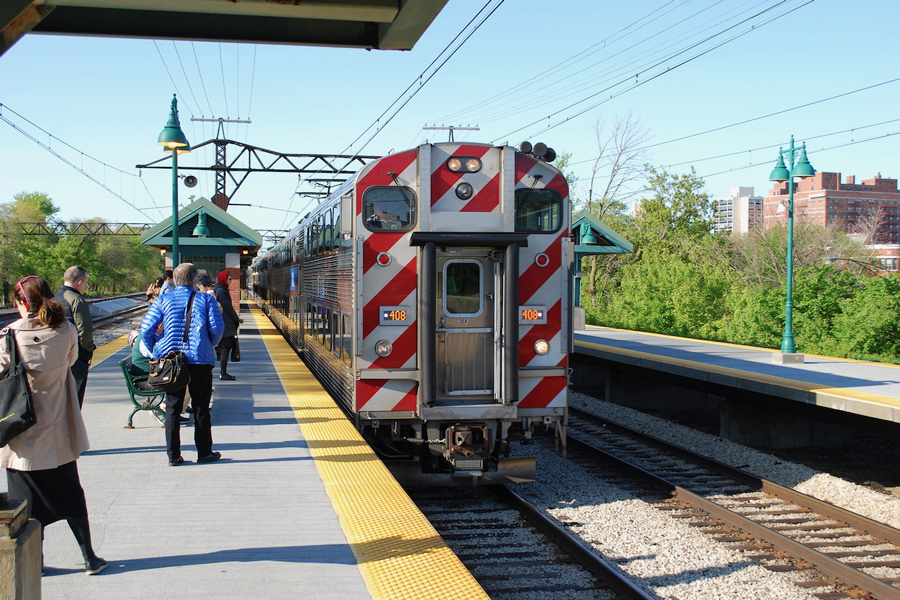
(370, 24)
(605, 239)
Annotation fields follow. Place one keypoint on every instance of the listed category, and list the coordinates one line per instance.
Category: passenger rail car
(431, 296)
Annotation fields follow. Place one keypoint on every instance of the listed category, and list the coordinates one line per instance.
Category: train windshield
(389, 208)
(537, 210)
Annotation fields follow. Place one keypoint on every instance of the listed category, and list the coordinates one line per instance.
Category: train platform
(298, 506)
(862, 388)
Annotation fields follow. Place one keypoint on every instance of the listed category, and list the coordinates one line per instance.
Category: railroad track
(8, 315)
(778, 526)
(514, 550)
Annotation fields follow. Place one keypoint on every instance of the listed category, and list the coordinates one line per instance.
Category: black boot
(93, 564)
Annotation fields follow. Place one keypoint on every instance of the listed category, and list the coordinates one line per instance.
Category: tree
(616, 176)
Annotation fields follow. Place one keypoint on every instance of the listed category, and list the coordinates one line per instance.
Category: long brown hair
(36, 295)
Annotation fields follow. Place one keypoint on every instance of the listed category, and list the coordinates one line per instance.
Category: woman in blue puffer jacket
(205, 333)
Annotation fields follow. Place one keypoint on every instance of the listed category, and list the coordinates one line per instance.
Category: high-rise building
(740, 212)
(869, 209)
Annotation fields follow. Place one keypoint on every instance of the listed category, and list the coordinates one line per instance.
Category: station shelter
(592, 237)
(209, 238)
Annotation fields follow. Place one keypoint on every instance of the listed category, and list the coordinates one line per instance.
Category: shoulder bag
(16, 408)
(169, 373)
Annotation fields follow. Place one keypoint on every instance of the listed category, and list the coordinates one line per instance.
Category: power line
(224, 91)
(186, 78)
(808, 151)
(172, 79)
(80, 169)
(816, 137)
(404, 98)
(200, 72)
(659, 64)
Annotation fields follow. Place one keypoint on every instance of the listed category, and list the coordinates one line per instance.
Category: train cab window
(462, 288)
(537, 210)
(389, 208)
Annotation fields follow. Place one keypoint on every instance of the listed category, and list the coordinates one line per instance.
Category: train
(431, 296)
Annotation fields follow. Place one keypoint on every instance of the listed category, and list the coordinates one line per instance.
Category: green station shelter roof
(608, 241)
(224, 230)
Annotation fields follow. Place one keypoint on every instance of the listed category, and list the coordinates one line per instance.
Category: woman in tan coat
(40, 463)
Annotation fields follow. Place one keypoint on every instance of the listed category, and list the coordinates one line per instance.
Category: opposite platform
(286, 513)
(859, 387)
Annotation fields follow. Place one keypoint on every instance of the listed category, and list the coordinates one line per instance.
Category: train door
(467, 327)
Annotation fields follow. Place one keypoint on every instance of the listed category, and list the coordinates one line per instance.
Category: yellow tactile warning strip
(399, 553)
(675, 337)
(747, 375)
(108, 349)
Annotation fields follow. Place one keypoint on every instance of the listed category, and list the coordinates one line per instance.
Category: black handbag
(236, 351)
(16, 408)
(169, 373)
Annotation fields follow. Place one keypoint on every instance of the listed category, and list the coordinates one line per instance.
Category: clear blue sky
(109, 98)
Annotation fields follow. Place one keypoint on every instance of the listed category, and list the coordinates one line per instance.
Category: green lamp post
(175, 142)
(801, 168)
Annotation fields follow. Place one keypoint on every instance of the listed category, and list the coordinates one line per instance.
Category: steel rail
(828, 565)
(576, 548)
(821, 507)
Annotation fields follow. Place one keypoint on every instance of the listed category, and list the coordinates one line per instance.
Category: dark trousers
(80, 372)
(201, 391)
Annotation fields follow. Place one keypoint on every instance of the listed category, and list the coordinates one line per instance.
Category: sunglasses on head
(21, 289)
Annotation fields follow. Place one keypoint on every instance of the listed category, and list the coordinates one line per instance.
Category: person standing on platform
(231, 319)
(78, 312)
(168, 284)
(154, 289)
(41, 462)
(205, 333)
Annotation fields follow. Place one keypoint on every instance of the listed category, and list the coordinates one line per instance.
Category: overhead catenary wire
(186, 78)
(82, 154)
(771, 146)
(409, 93)
(202, 83)
(655, 76)
(808, 151)
(172, 79)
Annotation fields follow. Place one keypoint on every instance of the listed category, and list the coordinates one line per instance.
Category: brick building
(870, 208)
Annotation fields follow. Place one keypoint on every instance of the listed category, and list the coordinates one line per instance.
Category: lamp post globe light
(786, 172)
(174, 142)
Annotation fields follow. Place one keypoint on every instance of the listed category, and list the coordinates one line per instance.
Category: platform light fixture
(174, 141)
(786, 172)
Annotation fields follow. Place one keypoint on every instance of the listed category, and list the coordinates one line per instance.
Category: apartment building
(870, 208)
(740, 212)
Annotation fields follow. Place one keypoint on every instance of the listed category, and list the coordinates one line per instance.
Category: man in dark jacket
(205, 333)
(79, 313)
(231, 319)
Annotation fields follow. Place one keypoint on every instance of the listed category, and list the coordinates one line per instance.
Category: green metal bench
(153, 398)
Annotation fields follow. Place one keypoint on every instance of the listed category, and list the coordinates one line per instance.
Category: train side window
(320, 324)
(462, 288)
(326, 328)
(389, 208)
(537, 210)
(329, 232)
(335, 343)
(346, 340)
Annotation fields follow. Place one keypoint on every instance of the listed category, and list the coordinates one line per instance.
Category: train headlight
(384, 348)
(464, 164)
(541, 347)
(464, 191)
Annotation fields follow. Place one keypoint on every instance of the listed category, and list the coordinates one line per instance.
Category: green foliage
(116, 264)
(684, 281)
(869, 323)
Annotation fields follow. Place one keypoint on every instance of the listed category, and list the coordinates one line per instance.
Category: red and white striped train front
(462, 296)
